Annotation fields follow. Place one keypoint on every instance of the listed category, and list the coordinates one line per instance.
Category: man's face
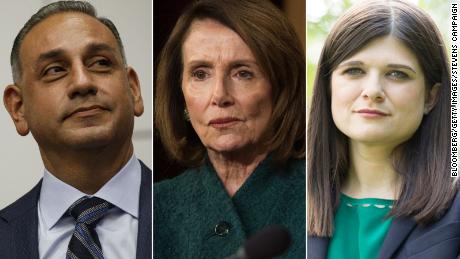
(75, 91)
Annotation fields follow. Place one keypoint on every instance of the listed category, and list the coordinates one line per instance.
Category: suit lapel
(317, 247)
(25, 235)
(144, 233)
(22, 217)
(397, 234)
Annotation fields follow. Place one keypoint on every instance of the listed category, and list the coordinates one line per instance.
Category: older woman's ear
(432, 98)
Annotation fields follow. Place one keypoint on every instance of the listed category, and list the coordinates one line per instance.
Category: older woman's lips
(223, 122)
(372, 113)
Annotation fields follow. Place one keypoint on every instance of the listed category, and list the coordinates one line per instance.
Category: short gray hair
(49, 10)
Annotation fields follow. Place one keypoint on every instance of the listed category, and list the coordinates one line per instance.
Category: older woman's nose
(81, 82)
(221, 95)
(373, 88)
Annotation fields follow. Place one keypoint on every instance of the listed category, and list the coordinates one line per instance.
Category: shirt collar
(122, 190)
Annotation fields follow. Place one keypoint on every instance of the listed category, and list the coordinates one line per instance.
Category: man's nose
(82, 83)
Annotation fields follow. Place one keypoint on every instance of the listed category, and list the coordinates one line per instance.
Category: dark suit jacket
(406, 239)
(19, 223)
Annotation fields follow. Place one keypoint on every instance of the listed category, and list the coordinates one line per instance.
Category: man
(74, 92)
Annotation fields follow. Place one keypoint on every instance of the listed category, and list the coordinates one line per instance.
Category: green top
(195, 218)
(360, 226)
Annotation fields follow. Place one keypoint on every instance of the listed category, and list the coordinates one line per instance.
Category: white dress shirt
(117, 231)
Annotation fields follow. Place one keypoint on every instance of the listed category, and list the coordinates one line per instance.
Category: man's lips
(372, 112)
(86, 111)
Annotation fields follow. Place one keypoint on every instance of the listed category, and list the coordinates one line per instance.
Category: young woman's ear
(431, 98)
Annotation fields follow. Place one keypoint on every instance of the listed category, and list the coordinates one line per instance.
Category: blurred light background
(321, 16)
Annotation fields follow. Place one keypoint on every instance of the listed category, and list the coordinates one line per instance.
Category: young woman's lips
(223, 122)
(372, 113)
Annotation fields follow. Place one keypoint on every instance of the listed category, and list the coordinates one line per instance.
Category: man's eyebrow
(52, 54)
(92, 48)
(96, 47)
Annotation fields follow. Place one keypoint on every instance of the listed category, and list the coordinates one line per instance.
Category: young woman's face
(378, 94)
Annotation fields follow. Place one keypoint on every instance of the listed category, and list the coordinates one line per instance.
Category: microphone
(271, 241)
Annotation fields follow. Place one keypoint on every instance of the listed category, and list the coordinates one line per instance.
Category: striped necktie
(84, 243)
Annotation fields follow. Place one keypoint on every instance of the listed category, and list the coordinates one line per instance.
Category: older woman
(379, 173)
(230, 104)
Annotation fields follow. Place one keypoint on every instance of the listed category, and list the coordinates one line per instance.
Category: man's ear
(13, 101)
(135, 88)
(432, 98)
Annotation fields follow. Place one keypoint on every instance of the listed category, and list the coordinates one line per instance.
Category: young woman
(379, 182)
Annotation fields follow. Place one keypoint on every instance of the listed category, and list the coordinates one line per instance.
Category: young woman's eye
(354, 71)
(199, 74)
(398, 75)
(244, 74)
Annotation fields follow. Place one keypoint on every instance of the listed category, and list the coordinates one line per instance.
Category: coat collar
(397, 234)
(144, 232)
(317, 247)
(22, 216)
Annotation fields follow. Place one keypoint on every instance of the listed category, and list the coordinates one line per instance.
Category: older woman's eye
(397, 75)
(199, 74)
(354, 71)
(244, 74)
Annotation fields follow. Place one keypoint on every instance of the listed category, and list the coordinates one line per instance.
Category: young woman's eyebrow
(401, 66)
(351, 63)
(359, 63)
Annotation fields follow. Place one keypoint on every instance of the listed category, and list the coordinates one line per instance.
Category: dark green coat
(188, 208)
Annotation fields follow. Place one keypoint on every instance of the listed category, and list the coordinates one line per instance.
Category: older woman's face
(227, 95)
(378, 94)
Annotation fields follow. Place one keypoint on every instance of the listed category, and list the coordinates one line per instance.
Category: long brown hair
(276, 48)
(422, 161)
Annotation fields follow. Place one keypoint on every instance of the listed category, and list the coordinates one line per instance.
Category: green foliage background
(321, 16)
